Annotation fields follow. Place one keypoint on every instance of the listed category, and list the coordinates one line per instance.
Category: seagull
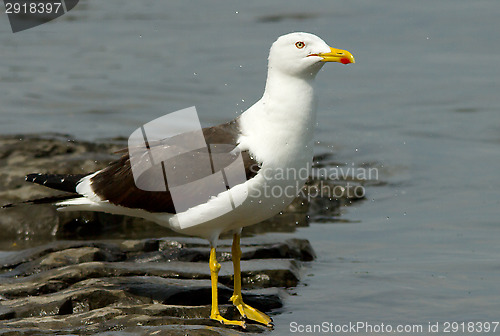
(273, 136)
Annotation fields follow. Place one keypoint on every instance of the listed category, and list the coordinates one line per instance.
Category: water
(421, 104)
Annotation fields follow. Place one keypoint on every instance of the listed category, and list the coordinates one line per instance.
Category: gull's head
(303, 54)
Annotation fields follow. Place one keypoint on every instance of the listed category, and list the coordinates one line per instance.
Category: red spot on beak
(345, 61)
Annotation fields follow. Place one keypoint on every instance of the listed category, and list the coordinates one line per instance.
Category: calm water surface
(422, 104)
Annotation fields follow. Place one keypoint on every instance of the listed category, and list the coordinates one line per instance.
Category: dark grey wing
(229, 133)
(172, 185)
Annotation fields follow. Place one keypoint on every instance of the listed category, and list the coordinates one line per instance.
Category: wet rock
(72, 256)
(112, 321)
(299, 249)
(6, 313)
(145, 258)
(75, 252)
(21, 155)
(139, 282)
(256, 273)
(89, 287)
(127, 301)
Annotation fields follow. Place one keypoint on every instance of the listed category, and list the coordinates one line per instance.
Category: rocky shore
(89, 273)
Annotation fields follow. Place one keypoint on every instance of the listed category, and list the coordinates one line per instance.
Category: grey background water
(422, 104)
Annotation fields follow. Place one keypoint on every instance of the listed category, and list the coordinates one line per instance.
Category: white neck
(282, 120)
(286, 88)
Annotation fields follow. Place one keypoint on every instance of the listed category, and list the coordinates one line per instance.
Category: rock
(60, 273)
(88, 287)
(72, 256)
(20, 155)
(299, 249)
(6, 313)
(109, 251)
(112, 321)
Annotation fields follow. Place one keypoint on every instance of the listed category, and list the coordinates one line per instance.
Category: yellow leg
(214, 274)
(245, 310)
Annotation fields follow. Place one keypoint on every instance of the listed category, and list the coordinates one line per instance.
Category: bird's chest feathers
(279, 135)
(278, 129)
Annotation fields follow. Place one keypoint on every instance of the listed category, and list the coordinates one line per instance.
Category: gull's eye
(300, 45)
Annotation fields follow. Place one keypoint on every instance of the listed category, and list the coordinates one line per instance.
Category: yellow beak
(337, 55)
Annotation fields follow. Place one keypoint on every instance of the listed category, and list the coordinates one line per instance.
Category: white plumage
(277, 133)
(277, 130)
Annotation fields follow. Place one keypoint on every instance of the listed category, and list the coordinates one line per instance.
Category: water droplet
(356, 149)
(194, 73)
(404, 213)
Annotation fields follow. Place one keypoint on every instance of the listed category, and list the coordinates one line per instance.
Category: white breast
(278, 132)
